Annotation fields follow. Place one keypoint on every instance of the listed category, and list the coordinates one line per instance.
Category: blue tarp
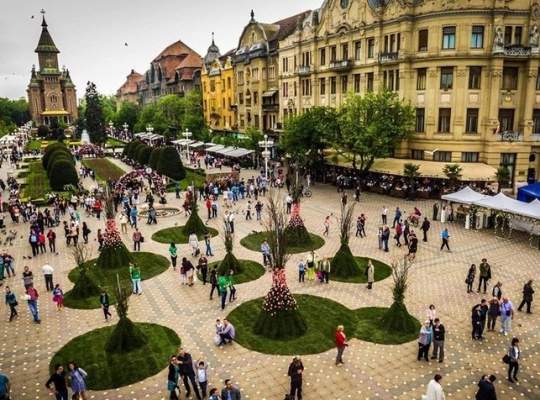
(529, 193)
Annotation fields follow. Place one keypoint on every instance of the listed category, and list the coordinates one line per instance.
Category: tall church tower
(51, 93)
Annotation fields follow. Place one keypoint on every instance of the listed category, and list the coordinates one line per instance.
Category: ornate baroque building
(469, 67)
(51, 93)
(218, 90)
(176, 70)
(128, 91)
(256, 68)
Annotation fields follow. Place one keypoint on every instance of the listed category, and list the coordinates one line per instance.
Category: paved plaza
(371, 371)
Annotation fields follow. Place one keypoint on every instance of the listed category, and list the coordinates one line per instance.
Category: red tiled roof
(193, 60)
(288, 25)
(130, 85)
(177, 56)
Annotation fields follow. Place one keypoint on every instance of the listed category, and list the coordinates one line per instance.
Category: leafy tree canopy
(94, 115)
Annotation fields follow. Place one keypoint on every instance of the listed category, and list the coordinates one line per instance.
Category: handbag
(506, 359)
(142, 239)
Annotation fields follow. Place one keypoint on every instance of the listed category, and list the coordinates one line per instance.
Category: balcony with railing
(517, 50)
(388, 56)
(304, 70)
(340, 65)
(510, 136)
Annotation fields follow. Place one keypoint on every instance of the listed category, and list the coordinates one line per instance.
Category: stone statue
(498, 42)
(534, 36)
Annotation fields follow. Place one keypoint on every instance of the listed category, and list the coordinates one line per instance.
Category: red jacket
(340, 339)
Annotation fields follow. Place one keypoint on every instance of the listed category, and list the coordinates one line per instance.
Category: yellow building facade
(469, 67)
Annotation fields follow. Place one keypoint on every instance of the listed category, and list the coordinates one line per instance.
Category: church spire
(46, 43)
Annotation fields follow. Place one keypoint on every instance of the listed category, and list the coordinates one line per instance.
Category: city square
(336, 208)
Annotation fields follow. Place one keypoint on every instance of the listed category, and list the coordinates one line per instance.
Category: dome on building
(212, 54)
(378, 3)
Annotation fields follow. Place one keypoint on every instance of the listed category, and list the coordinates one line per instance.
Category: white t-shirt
(47, 269)
(201, 375)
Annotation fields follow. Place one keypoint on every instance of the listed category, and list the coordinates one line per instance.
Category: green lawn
(150, 264)
(37, 183)
(33, 145)
(176, 235)
(112, 142)
(104, 168)
(109, 370)
(254, 240)
(382, 271)
(251, 270)
(322, 316)
(191, 177)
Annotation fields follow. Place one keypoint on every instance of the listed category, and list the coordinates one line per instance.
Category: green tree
(128, 113)
(371, 127)
(410, 171)
(193, 119)
(109, 107)
(169, 164)
(503, 177)
(94, 116)
(172, 109)
(453, 173)
(306, 135)
(151, 115)
(13, 113)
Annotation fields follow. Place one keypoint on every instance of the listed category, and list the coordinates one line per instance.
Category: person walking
(57, 383)
(78, 381)
(213, 282)
(137, 239)
(493, 313)
(397, 217)
(58, 297)
(325, 270)
(187, 373)
(445, 237)
(485, 274)
(476, 322)
(470, 278)
(486, 388)
(507, 315)
(514, 355)
(425, 228)
(384, 215)
(296, 371)
(123, 222)
(434, 389)
(135, 274)
(385, 237)
(11, 301)
(27, 277)
(85, 232)
(326, 225)
(424, 340)
(497, 291)
(528, 293)
(341, 343)
(223, 284)
(173, 253)
(370, 272)
(301, 271)
(438, 340)
(172, 378)
(51, 237)
(105, 304)
(202, 267)
(48, 276)
(32, 296)
(265, 250)
(208, 245)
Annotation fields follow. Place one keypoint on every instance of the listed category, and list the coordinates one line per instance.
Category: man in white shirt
(231, 221)
(384, 214)
(48, 275)
(434, 389)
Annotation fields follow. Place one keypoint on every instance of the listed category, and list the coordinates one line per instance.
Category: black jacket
(186, 368)
(293, 371)
(486, 391)
(438, 332)
(528, 292)
(59, 381)
(172, 374)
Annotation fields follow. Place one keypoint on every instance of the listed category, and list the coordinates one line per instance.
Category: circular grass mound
(249, 271)
(176, 235)
(107, 370)
(382, 271)
(363, 324)
(150, 265)
(254, 240)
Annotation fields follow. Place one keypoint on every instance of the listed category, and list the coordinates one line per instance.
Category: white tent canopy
(464, 196)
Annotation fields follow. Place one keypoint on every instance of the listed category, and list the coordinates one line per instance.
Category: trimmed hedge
(154, 158)
(169, 164)
(143, 154)
(52, 151)
(62, 173)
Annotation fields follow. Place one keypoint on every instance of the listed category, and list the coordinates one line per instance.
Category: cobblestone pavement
(371, 371)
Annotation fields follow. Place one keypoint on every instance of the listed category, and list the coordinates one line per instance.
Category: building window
(420, 120)
(471, 125)
(510, 78)
(538, 79)
(241, 77)
(417, 154)
(423, 40)
(255, 97)
(475, 75)
(344, 84)
(322, 56)
(241, 98)
(477, 37)
(357, 50)
(271, 73)
(506, 119)
(536, 121)
(445, 156)
(333, 54)
(447, 77)
(512, 35)
(509, 161)
(421, 74)
(295, 89)
(369, 85)
(322, 85)
(444, 120)
(356, 83)
(345, 51)
(332, 85)
(229, 82)
(449, 38)
(285, 63)
(370, 47)
(255, 74)
(470, 156)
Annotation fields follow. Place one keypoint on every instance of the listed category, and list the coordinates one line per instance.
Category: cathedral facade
(51, 93)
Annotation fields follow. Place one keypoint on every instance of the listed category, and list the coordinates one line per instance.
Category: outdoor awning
(269, 93)
(224, 151)
(463, 196)
(215, 148)
(196, 144)
(428, 169)
(238, 153)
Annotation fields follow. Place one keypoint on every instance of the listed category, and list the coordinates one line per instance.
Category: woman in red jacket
(341, 343)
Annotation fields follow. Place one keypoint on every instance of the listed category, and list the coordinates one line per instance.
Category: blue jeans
(137, 288)
(33, 307)
(208, 250)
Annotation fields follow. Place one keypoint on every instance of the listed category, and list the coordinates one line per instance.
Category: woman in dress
(78, 381)
(194, 243)
(58, 297)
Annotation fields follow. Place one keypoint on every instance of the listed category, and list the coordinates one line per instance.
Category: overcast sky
(91, 34)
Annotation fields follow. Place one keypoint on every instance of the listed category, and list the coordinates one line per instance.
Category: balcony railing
(341, 65)
(517, 50)
(304, 70)
(510, 136)
(270, 107)
(535, 137)
(388, 56)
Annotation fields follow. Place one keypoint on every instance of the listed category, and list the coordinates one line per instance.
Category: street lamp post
(187, 134)
(125, 126)
(111, 127)
(266, 145)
